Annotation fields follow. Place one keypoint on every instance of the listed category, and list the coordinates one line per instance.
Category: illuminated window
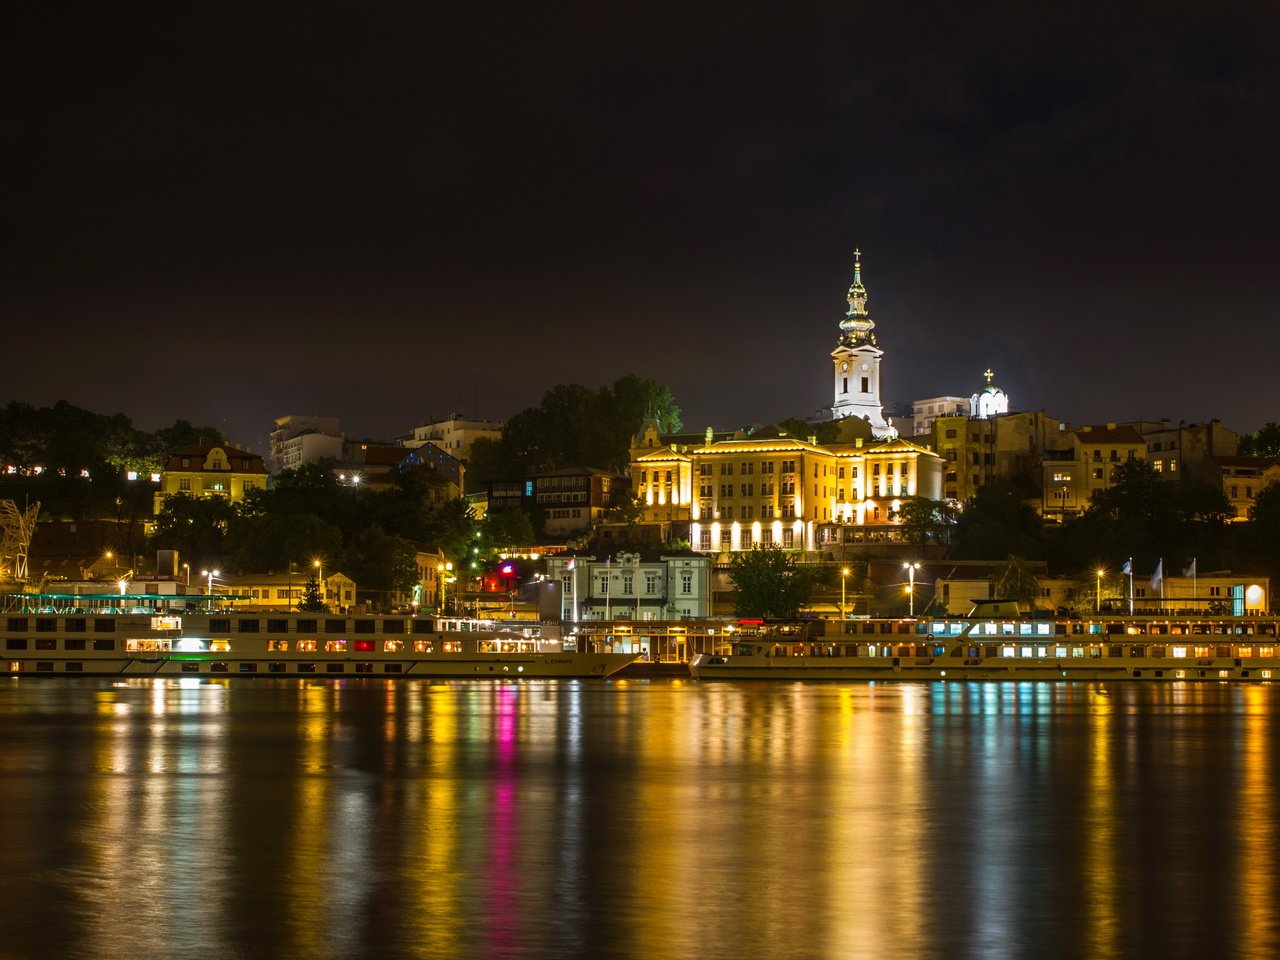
(335, 646)
(423, 646)
(303, 646)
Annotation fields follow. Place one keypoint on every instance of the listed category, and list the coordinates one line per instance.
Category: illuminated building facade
(212, 470)
(974, 450)
(626, 587)
(925, 412)
(742, 491)
(1072, 476)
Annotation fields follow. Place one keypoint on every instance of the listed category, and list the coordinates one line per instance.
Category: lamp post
(324, 594)
(209, 593)
(844, 576)
(911, 569)
(1097, 596)
(187, 569)
(443, 570)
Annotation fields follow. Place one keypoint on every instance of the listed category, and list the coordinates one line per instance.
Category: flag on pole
(1127, 569)
(1191, 570)
(1157, 578)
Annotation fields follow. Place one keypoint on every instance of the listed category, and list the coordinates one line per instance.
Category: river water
(637, 819)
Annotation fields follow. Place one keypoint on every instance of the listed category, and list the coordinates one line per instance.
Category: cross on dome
(988, 373)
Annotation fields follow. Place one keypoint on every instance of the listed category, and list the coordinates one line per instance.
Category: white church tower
(857, 362)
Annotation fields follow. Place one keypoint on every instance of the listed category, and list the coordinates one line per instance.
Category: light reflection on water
(637, 819)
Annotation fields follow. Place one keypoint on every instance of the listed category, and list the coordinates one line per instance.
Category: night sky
(390, 212)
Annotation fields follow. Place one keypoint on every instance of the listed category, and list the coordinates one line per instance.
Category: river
(637, 819)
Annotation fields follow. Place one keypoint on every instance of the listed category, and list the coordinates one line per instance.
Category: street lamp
(324, 594)
(844, 575)
(210, 574)
(442, 570)
(187, 568)
(1097, 596)
(911, 569)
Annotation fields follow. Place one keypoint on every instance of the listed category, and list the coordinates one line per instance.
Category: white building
(624, 587)
(297, 440)
(856, 362)
(924, 412)
(455, 435)
(990, 401)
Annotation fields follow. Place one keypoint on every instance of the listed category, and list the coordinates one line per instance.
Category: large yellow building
(213, 470)
(765, 489)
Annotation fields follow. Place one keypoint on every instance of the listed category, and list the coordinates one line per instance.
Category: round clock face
(844, 366)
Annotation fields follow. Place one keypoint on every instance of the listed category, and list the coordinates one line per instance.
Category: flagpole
(1161, 569)
(1130, 567)
(1193, 579)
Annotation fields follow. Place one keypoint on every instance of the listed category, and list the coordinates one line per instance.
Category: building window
(184, 483)
(650, 584)
(726, 469)
(844, 384)
(866, 388)
(686, 583)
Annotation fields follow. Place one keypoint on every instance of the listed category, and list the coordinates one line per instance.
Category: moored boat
(1009, 648)
(76, 635)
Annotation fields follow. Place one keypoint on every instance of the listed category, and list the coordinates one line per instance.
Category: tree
(826, 431)
(487, 463)
(998, 521)
(271, 541)
(1145, 516)
(1260, 538)
(312, 601)
(926, 521)
(769, 583)
(503, 529)
(194, 526)
(575, 426)
(1263, 442)
(1017, 581)
(380, 563)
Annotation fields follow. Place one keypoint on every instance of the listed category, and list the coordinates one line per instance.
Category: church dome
(990, 400)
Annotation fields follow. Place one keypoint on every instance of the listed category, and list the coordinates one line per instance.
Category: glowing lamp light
(1253, 596)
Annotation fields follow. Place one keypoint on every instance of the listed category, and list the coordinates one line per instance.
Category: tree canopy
(769, 583)
(1263, 442)
(575, 426)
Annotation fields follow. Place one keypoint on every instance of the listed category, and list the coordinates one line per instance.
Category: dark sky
(389, 212)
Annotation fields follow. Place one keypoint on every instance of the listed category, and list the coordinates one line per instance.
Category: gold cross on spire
(988, 373)
(857, 255)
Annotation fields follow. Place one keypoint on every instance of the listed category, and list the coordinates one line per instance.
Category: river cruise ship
(1159, 648)
(160, 635)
